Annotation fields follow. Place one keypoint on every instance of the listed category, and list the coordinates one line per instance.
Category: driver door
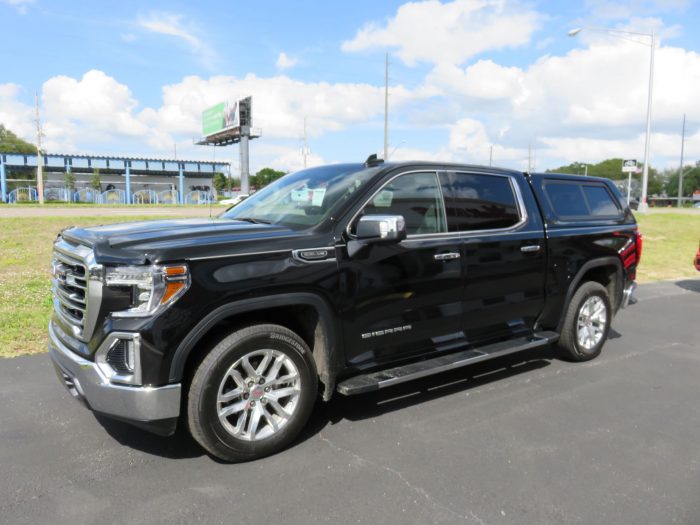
(403, 299)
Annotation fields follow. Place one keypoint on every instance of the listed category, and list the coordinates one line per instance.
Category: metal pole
(306, 144)
(39, 160)
(491, 155)
(680, 174)
(386, 106)
(181, 185)
(128, 182)
(629, 187)
(585, 170)
(643, 205)
(245, 185)
(3, 182)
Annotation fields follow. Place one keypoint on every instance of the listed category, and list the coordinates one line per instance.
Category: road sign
(629, 166)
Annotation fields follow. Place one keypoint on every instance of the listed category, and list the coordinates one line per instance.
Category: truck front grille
(76, 296)
(70, 285)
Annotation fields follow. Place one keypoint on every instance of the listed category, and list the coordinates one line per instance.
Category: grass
(25, 289)
(670, 241)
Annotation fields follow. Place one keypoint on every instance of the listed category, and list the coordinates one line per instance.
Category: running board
(393, 376)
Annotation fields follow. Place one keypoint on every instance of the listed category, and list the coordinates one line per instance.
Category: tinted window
(480, 202)
(417, 197)
(600, 201)
(566, 198)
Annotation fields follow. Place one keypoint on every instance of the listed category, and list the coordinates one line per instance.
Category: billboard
(221, 117)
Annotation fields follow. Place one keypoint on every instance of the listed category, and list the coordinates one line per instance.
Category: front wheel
(587, 323)
(252, 394)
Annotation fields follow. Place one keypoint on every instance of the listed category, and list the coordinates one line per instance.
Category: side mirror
(377, 229)
(381, 229)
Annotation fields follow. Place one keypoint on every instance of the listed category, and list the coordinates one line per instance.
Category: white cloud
(280, 103)
(285, 62)
(22, 6)
(170, 24)
(14, 115)
(449, 33)
(128, 37)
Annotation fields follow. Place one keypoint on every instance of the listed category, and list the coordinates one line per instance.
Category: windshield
(303, 199)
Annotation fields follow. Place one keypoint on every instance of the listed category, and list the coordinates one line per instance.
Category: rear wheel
(252, 394)
(587, 323)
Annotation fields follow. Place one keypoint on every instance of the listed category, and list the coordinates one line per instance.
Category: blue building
(124, 180)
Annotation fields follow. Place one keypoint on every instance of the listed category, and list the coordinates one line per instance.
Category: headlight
(152, 287)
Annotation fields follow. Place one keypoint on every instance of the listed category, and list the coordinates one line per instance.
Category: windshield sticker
(309, 197)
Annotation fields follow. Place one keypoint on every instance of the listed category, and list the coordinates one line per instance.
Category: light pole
(643, 205)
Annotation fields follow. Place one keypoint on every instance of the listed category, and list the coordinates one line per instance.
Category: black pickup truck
(344, 278)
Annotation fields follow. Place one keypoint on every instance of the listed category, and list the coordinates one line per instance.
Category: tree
(612, 169)
(691, 181)
(69, 180)
(219, 182)
(95, 182)
(265, 176)
(11, 143)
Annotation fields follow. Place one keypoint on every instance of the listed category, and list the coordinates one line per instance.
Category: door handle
(446, 256)
(532, 248)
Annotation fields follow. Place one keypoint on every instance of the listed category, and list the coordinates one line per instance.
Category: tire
(240, 408)
(586, 327)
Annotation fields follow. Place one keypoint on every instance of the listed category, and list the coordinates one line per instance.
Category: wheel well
(607, 276)
(304, 320)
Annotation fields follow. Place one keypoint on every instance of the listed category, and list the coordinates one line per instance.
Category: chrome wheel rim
(258, 395)
(592, 318)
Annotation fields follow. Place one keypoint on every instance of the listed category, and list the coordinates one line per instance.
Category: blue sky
(467, 75)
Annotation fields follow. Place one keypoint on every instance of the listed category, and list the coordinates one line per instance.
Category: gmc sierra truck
(345, 279)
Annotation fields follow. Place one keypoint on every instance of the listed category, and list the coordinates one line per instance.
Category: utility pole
(386, 106)
(680, 175)
(490, 155)
(39, 160)
(305, 147)
(529, 157)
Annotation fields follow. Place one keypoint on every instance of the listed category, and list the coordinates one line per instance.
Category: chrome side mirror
(374, 229)
(377, 229)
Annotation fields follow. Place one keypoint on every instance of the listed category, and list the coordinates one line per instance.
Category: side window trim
(519, 202)
(410, 236)
(580, 185)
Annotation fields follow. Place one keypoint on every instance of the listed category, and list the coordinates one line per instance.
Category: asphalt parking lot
(526, 439)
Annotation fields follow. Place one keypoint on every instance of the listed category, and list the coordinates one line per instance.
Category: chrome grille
(73, 291)
(70, 289)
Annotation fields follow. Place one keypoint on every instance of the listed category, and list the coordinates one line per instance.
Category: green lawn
(670, 242)
(25, 289)
(25, 253)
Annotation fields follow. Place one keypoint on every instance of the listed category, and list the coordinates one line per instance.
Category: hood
(151, 242)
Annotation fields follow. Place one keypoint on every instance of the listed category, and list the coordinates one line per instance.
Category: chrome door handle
(532, 248)
(446, 256)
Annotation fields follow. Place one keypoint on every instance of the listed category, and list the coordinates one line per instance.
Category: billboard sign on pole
(221, 117)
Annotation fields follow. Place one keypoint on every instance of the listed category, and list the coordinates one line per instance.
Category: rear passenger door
(503, 249)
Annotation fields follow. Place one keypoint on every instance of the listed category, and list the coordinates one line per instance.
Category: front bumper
(86, 382)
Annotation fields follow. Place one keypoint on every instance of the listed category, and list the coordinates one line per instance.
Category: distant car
(696, 205)
(697, 260)
(236, 200)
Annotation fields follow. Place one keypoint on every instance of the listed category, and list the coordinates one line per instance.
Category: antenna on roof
(372, 161)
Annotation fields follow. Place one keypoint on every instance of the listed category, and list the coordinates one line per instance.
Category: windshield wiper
(252, 220)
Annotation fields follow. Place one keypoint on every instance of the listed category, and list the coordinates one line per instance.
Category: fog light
(119, 358)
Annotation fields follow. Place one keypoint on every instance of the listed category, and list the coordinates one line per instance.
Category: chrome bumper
(628, 297)
(86, 382)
